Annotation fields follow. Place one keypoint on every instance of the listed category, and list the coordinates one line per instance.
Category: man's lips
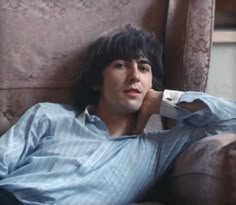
(132, 91)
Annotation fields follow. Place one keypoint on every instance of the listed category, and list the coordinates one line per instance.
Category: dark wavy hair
(126, 42)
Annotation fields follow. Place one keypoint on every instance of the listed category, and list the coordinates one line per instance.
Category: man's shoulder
(54, 109)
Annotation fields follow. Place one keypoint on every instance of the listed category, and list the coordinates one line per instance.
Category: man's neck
(117, 124)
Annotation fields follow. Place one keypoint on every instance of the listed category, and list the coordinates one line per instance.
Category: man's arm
(20, 140)
(168, 102)
(197, 114)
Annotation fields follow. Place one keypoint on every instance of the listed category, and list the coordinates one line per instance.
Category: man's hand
(151, 105)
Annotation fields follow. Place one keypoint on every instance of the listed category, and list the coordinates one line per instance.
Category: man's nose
(134, 73)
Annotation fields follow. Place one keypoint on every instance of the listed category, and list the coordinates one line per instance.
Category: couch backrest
(41, 43)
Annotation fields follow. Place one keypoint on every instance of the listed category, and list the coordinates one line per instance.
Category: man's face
(125, 84)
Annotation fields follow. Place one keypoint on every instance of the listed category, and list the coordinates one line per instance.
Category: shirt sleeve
(217, 109)
(169, 103)
(21, 139)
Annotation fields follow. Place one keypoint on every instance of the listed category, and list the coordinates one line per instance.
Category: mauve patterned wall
(41, 42)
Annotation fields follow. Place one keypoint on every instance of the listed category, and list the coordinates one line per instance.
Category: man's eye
(120, 65)
(145, 68)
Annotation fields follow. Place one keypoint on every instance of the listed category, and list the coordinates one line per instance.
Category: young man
(101, 154)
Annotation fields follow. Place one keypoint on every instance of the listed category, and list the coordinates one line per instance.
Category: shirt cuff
(169, 103)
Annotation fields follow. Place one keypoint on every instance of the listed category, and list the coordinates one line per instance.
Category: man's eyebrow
(143, 61)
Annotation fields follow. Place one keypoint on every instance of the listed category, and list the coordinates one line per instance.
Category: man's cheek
(141, 102)
(145, 93)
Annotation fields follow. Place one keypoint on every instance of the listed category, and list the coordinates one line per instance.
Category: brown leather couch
(42, 42)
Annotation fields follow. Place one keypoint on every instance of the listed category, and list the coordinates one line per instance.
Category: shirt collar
(86, 113)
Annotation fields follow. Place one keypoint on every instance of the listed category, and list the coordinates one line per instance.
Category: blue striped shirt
(54, 155)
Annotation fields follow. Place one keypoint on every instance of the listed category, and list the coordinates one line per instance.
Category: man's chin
(131, 108)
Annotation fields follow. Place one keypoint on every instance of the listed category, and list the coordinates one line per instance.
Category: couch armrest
(205, 173)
